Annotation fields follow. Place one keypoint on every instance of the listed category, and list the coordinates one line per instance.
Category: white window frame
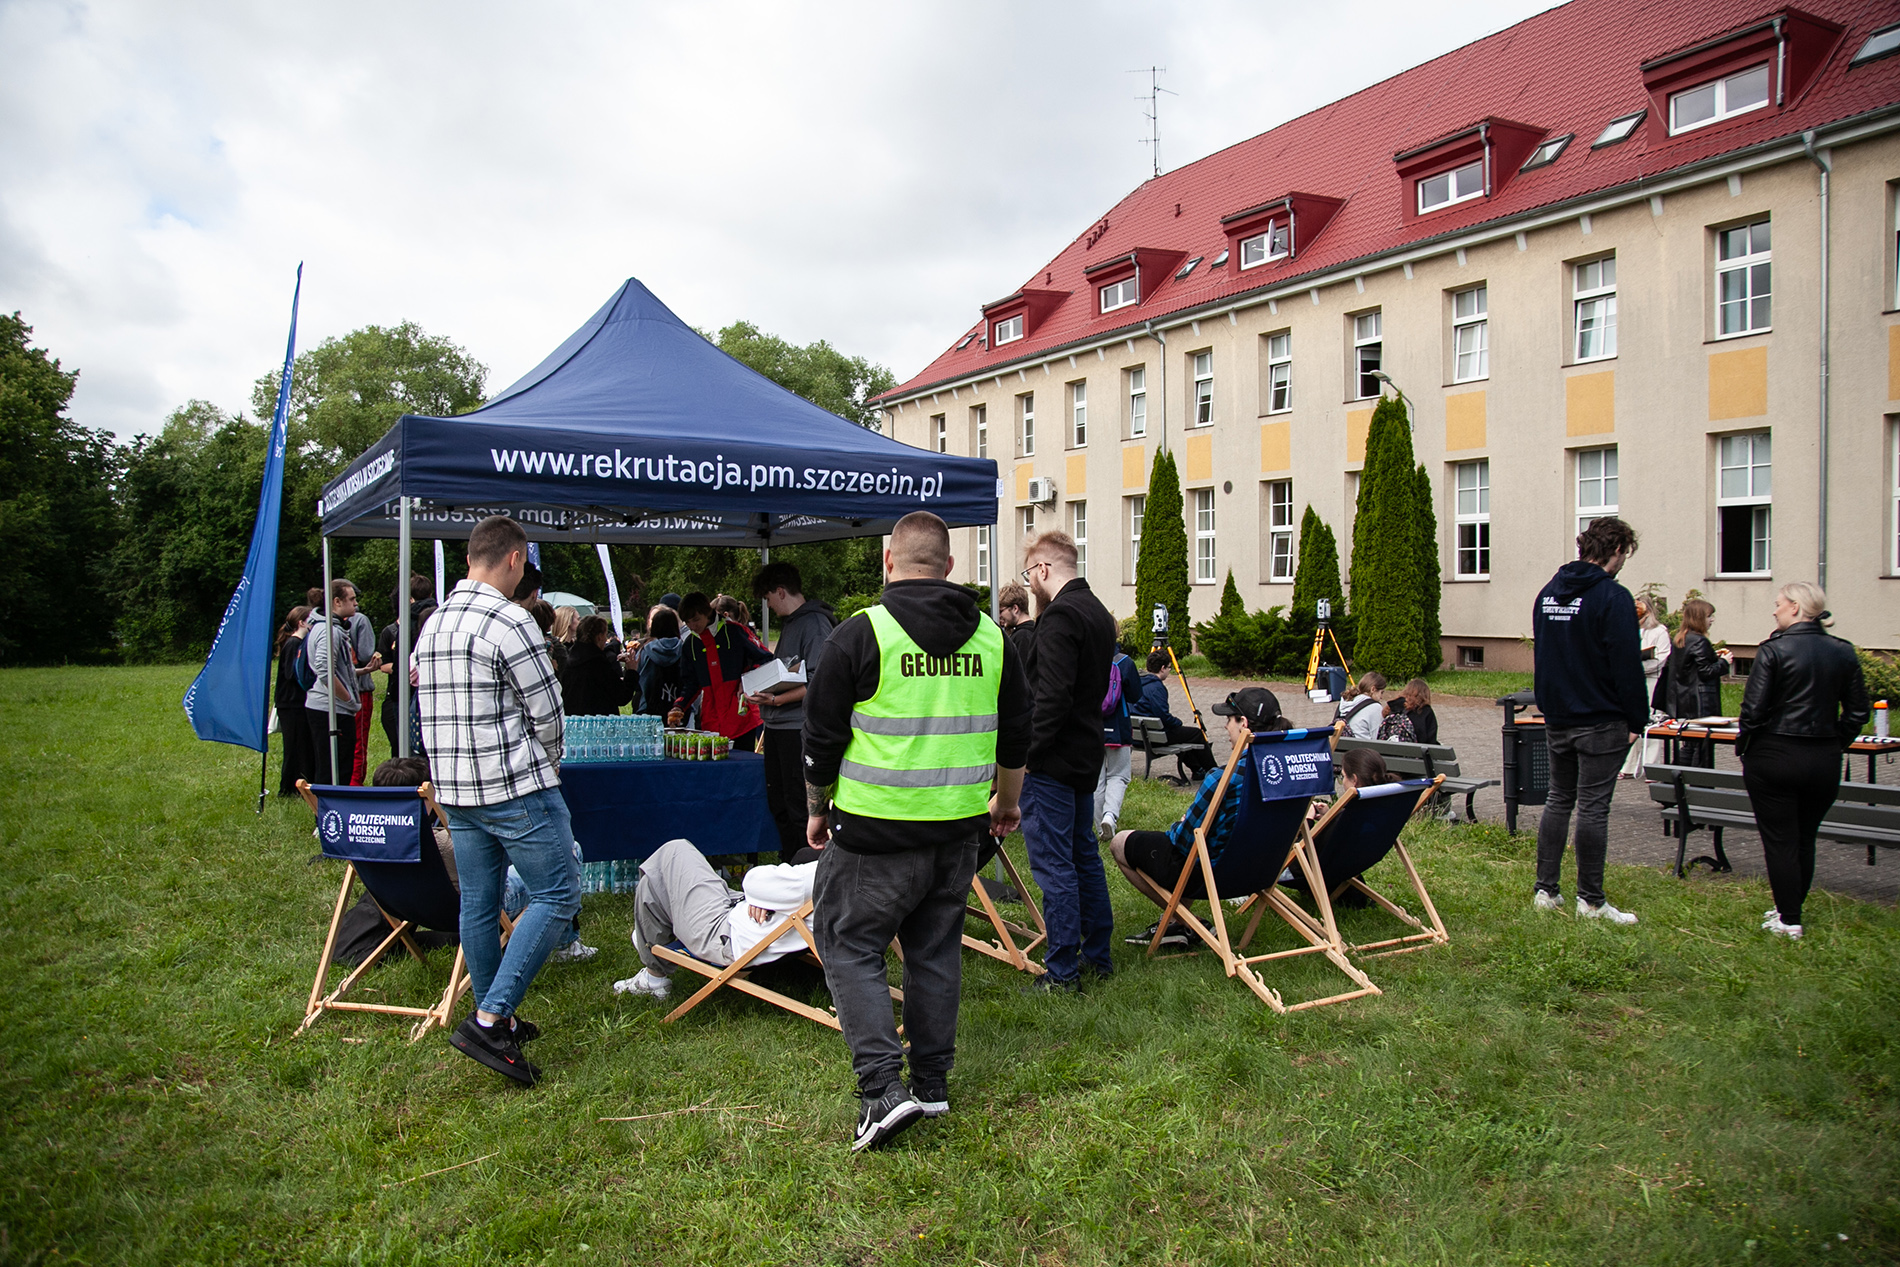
(1756, 451)
(982, 445)
(1137, 509)
(1471, 334)
(1006, 331)
(1367, 336)
(1079, 415)
(1718, 90)
(1025, 524)
(1138, 402)
(1121, 294)
(1206, 527)
(1079, 529)
(1280, 561)
(1596, 477)
(1275, 242)
(1455, 188)
(1593, 309)
(1280, 372)
(1203, 365)
(983, 548)
(1026, 424)
(940, 424)
(1619, 129)
(1753, 267)
(1893, 498)
(1471, 506)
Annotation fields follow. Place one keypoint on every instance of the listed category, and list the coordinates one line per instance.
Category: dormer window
(1263, 248)
(1718, 100)
(1007, 331)
(1119, 294)
(1618, 130)
(1446, 189)
(1546, 154)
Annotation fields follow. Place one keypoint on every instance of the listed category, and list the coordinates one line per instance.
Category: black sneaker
(883, 1119)
(1177, 935)
(525, 1031)
(495, 1047)
(932, 1097)
(1047, 984)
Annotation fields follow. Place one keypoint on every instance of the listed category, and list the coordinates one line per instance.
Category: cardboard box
(772, 678)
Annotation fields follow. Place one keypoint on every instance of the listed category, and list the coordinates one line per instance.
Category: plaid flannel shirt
(1181, 835)
(489, 701)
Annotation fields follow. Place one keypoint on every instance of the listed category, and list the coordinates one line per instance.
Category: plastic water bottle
(1880, 719)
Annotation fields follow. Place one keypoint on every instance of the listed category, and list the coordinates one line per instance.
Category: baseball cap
(1255, 703)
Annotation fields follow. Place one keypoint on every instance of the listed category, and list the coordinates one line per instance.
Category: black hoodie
(940, 618)
(1589, 655)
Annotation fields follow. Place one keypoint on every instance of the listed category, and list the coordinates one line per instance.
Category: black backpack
(300, 667)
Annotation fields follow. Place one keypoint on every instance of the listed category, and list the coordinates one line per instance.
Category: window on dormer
(1265, 247)
(1461, 184)
(1119, 294)
(1618, 130)
(1723, 99)
(1546, 154)
(1007, 331)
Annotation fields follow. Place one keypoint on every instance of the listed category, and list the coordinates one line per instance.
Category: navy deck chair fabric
(382, 831)
(1359, 836)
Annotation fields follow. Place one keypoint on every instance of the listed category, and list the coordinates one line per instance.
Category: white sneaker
(1774, 925)
(646, 981)
(1543, 901)
(1772, 914)
(1605, 911)
(574, 952)
(1108, 828)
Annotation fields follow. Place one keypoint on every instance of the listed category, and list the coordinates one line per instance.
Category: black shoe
(932, 1097)
(1047, 984)
(495, 1047)
(884, 1118)
(1177, 935)
(525, 1031)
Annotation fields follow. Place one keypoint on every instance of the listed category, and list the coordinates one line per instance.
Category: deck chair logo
(332, 826)
(1272, 770)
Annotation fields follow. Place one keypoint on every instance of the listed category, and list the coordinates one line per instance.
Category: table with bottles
(631, 786)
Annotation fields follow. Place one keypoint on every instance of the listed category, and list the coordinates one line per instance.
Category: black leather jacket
(1806, 684)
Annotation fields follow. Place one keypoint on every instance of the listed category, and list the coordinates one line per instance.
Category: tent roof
(636, 429)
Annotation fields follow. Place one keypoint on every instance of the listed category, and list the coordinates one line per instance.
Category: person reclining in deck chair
(1358, 768)
(1152, 860)
(680, 897)
(363, 926)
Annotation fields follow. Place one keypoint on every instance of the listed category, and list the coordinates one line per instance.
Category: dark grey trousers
(1584, 761)
(864, 900)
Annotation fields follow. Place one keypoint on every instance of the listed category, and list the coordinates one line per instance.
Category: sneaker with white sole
(1107, 828)
(884, 1118)
(574, 952)
(1605, 911)
(646, 981)
(932, 1097)
(1543, 901)
(1774, 925)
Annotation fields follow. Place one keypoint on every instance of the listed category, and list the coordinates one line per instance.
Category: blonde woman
(1361, 711)
(1656, 645)
(566, 620)
(1805, 702)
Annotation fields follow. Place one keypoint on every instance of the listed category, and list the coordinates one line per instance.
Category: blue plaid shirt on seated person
(1181, 835)
(489, 700)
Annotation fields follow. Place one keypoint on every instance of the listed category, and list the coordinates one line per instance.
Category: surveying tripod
(1161, 644)
(1322, 636)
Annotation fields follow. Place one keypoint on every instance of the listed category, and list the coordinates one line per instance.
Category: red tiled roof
(1569, 70)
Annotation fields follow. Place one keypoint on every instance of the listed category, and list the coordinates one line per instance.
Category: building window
(940, 433)
(1280, 530)
(1458, 185)
(1188, 268)
(1473, 482)
(1078, 415)
(1596, 486)
(1263, 248)
(1203, 388)
(1882, 43)
(980, 419)
(1368, 350)
(1618, 129)
(1026, 425)
(1723, 99)
(982, 556)
(1026, 524)
(1137, 507)
(1203, 536)
(1547, 153)
(1470, 335)
(1279, 373)
(1119, 294)
(1079, 529)
(1138, 402)
(1596, 309)
(1007, 331)
(1744, 488)
(1893, 498)
(1743, 279)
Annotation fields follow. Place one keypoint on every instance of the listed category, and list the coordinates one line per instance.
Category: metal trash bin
(1526, 757)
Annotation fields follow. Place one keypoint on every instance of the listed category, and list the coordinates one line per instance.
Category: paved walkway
(1472, 727)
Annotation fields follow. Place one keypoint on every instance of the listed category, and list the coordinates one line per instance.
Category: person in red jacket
(714, 654)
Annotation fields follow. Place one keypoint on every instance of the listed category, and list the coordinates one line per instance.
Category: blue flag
(228, 701)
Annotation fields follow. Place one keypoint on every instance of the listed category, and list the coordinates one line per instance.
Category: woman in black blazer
(1691, 683)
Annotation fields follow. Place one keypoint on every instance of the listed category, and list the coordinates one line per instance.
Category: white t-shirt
(781, 889)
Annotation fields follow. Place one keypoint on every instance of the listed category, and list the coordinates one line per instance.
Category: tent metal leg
(399, 672)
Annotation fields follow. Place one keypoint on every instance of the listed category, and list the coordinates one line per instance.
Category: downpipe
(1826, 166)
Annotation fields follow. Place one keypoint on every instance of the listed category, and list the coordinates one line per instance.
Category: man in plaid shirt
(491, 723)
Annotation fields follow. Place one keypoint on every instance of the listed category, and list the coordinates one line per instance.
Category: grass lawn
(1687, 1091)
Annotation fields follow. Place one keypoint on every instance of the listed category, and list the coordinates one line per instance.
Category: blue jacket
(1154, 700)
(1115, 726)
(1588, 651)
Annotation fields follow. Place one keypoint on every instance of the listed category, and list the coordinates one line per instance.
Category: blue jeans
(1067, 864)
(532, 832)
(514, 899)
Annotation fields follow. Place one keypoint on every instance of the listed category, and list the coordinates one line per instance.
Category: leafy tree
(1430, 590)
(1161, 570)
(1316, 577)
(819, 372)
(1385, 551)
(57, 514)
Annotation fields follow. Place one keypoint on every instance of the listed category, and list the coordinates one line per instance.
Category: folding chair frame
(1013, 942)
(1425, 938)
(1321, 933)
(428, 1017)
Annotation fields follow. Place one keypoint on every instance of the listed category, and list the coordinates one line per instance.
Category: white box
(771, 678)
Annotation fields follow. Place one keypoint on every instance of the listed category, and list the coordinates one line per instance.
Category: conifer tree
(1316, 577)
(1233, 640)
(1425, 517)
(1161, 571)
(1385, 551)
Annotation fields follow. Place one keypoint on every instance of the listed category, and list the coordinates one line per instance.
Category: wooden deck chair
(1269, 835)
(737, 973)
(1013, 942)
(1356, 834)
(399, 865)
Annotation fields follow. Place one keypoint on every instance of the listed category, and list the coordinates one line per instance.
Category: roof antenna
(1153, 112)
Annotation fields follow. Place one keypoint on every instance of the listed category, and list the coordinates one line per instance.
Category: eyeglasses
(1039, 563)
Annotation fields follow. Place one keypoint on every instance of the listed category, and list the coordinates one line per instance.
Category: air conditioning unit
(1042, 490)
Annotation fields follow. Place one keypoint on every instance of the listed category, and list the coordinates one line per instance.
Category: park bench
(1693, 798)
(1151, 735)
(1424, 761)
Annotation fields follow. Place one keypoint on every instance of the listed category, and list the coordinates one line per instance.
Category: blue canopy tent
(636, 430)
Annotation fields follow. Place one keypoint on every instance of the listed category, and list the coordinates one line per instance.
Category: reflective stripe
(954, 776)
(979, 724)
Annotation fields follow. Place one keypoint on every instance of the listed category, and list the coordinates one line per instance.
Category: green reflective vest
(924, 747)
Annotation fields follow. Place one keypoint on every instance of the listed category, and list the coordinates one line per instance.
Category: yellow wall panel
(1590, 404)
(1464, 421)
(1893, 362)
(1023, 474)
(1135, 466)
(1198, 455)
(1276, 447)
(1738, 384)
(1078, 485)
(1358, 422)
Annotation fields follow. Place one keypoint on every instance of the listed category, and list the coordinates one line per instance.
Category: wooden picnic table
(1671, 732)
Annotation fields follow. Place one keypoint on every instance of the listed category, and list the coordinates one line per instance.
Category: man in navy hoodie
(1589, 687)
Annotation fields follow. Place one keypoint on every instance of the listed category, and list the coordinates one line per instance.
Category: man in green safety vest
(916, 730)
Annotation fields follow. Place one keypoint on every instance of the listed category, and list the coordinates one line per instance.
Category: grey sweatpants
(680, 897)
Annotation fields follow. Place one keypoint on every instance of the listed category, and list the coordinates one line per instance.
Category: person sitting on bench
(681, 898)
(1361, 711)
(1152, 860)
(1155, 703)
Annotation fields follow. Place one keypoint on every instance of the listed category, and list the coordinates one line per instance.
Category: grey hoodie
(801, 640)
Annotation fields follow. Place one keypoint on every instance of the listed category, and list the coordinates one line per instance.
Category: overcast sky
(863, 173)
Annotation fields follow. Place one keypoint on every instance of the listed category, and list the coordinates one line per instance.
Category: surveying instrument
(1161, 644)
(1322, 636)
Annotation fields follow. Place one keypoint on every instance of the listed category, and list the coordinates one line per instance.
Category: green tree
(1315, 578)
(1430, 590)
(819, 372)
(1385, 551)
(1161, 569)
(58, 518)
